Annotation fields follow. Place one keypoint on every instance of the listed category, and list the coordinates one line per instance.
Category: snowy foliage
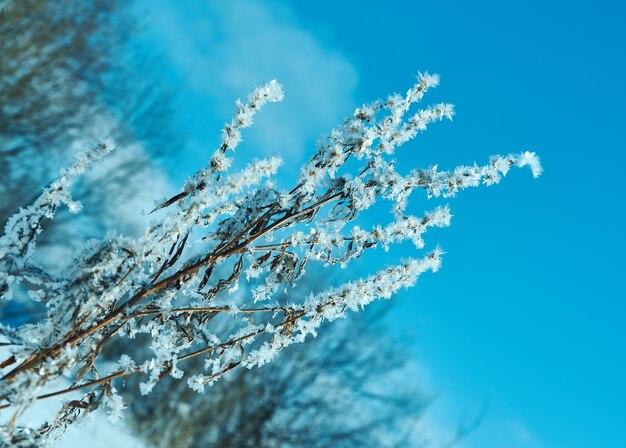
(184, 275)
(353, 386)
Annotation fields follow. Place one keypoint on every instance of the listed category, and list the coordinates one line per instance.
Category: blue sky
(529, 307)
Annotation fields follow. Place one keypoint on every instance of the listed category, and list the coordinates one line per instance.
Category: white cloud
(224, 49)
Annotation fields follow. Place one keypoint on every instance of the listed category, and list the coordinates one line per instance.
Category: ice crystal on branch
(181, 286)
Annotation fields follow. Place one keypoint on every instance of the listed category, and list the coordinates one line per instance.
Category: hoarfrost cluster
(205, 278)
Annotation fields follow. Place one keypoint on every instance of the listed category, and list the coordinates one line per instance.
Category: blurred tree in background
(71, 71)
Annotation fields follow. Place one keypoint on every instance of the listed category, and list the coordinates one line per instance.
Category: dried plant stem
(117, 314)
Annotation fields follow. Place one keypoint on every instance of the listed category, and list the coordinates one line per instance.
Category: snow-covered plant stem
(203, 279)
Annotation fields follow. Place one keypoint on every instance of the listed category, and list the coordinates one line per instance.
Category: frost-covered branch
(204, 279)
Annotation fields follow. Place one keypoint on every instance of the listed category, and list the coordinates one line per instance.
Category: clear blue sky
(529, 308)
